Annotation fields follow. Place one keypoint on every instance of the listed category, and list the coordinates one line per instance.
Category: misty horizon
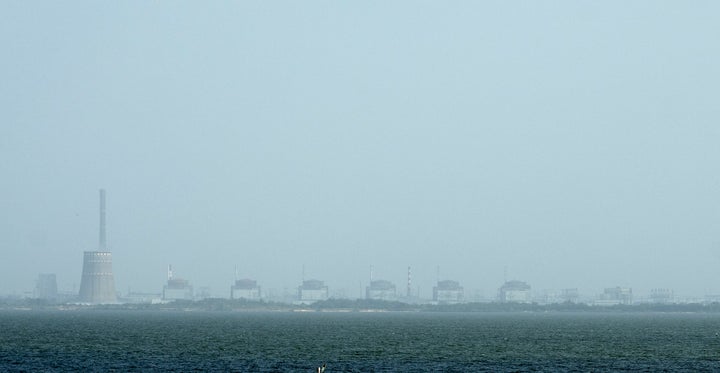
(561, 144)
(474, 291)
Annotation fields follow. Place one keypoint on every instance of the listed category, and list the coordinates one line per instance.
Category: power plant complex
(97, 286)
(98, 283)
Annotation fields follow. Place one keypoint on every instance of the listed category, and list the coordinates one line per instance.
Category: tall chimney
(409, 283)
(103, 244)
(97, 284)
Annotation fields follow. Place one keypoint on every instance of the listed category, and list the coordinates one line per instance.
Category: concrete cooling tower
(98, 283)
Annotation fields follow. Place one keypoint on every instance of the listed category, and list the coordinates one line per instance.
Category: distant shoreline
(359, 306)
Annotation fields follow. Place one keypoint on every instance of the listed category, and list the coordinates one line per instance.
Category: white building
(448, 292)
(312, 291)
(139, 297)
(176, 288)
(662, 296)
(615, 296)
(515, 292)
(381, 290)
(245, 289)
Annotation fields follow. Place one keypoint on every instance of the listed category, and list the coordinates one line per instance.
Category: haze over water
(571, 144)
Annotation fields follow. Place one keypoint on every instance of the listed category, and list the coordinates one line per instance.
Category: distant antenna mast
(303, 273)
(236, 272)
(505, 274)
(371, 274)
(438, 273)
(409, 283)
(169, 272)
(102, 245)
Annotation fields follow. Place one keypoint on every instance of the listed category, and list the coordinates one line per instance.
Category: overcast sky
(567, 144)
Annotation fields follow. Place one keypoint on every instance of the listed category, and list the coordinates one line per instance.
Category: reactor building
(381, 290)
(176, 288)
(515, 292)
(312, 291)
(448, 292)
(97, 284)
(245, 289)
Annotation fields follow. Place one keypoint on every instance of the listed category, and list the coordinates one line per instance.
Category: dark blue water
(356, 342)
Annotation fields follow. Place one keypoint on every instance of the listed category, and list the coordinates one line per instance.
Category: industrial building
(245, 289)
(662, 296)
(312, 291)
(546, 297)
(571, 295)
(381, 290)
(139, 298)
(448, 292)
(176, 288)
(97, 284)
(46, 287)
(615, 296)
(204, 292)
(515, 291)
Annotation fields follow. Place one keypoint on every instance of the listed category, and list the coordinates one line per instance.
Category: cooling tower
(98, 284)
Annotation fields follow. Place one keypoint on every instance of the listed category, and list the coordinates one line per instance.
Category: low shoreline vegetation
(357, 305)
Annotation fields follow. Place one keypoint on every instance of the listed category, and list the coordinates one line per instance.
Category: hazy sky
(574, 143)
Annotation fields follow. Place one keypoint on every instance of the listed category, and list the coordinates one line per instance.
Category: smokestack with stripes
(98, 283)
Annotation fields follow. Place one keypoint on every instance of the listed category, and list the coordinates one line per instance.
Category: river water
(356, 342)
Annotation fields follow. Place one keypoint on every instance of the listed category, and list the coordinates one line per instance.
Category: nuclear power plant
(98, 284)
